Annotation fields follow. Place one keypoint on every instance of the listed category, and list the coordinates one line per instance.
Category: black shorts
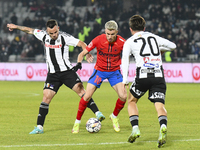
(156, 87)
(55, 80)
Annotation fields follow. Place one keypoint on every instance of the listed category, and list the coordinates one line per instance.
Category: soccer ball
(93, 125)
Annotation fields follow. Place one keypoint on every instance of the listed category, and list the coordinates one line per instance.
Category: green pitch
(19, 105)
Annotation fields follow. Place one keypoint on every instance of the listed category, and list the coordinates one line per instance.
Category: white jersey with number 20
(146, 48)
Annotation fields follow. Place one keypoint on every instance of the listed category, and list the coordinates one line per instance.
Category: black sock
(43, 111)
(162, 120)
(134, 120)
(92, 105)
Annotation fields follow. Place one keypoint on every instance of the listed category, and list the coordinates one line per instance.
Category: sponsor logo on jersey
(37, 31)
(150, 70)
(53, 46)
(146, 59)
(155, 59)
(108, 55)
(150, 65)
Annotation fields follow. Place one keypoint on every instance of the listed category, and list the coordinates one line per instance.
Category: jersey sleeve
(70, 40)
(39, 34)
(125, 61)
(92, 44)
(165, 45)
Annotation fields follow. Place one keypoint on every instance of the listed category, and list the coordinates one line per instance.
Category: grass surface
(19, 105)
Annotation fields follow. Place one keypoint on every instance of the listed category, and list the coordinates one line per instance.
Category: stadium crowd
(178, 21)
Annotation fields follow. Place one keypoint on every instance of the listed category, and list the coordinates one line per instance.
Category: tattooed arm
(22, 28)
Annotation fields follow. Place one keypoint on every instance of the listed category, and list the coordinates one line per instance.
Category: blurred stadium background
(176, 20)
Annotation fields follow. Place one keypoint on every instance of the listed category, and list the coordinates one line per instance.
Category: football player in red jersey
(109, 47)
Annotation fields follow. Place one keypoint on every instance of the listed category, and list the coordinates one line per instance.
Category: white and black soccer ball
(93, 125)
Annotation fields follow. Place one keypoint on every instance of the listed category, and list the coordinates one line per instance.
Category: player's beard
(54, 38)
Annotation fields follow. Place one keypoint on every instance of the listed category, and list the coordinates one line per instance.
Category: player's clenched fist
(11, 27)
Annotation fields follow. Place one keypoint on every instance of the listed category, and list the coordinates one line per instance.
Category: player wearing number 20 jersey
(146, 48)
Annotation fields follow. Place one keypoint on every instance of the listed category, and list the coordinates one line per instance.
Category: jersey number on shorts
(98, 79)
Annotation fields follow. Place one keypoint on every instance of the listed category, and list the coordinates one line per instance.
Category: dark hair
(137, 23)
(51, 23)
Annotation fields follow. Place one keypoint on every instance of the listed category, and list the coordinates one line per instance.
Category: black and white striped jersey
(146, 48)
(57, 51)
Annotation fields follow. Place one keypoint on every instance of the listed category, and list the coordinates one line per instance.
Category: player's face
(53, 33)
(111, 35)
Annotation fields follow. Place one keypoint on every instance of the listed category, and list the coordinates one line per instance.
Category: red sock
(118, 107)
(81, 108)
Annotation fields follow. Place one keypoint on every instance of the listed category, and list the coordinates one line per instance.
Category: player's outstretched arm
(22, 28)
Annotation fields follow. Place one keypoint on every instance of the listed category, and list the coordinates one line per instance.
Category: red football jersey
(108, 55)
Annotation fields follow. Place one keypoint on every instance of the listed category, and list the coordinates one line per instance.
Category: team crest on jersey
(90, 45)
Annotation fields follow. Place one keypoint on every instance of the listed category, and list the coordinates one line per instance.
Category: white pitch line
(77, 144)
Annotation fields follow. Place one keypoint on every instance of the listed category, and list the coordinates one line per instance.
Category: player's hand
(89, 58)
(126, 85)
(11, 27)
(78, 66)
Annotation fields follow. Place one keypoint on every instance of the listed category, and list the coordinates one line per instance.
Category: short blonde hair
(111, 25)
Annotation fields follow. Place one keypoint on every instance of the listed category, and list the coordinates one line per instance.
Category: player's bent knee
(132, 99)
(46, 100)
(123, 96)
(87, 97)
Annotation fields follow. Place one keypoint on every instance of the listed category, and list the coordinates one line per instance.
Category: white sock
(40, 127)
(163, 125)
(114, 116)
(136, 126)
(97, 113)
(78, 121)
